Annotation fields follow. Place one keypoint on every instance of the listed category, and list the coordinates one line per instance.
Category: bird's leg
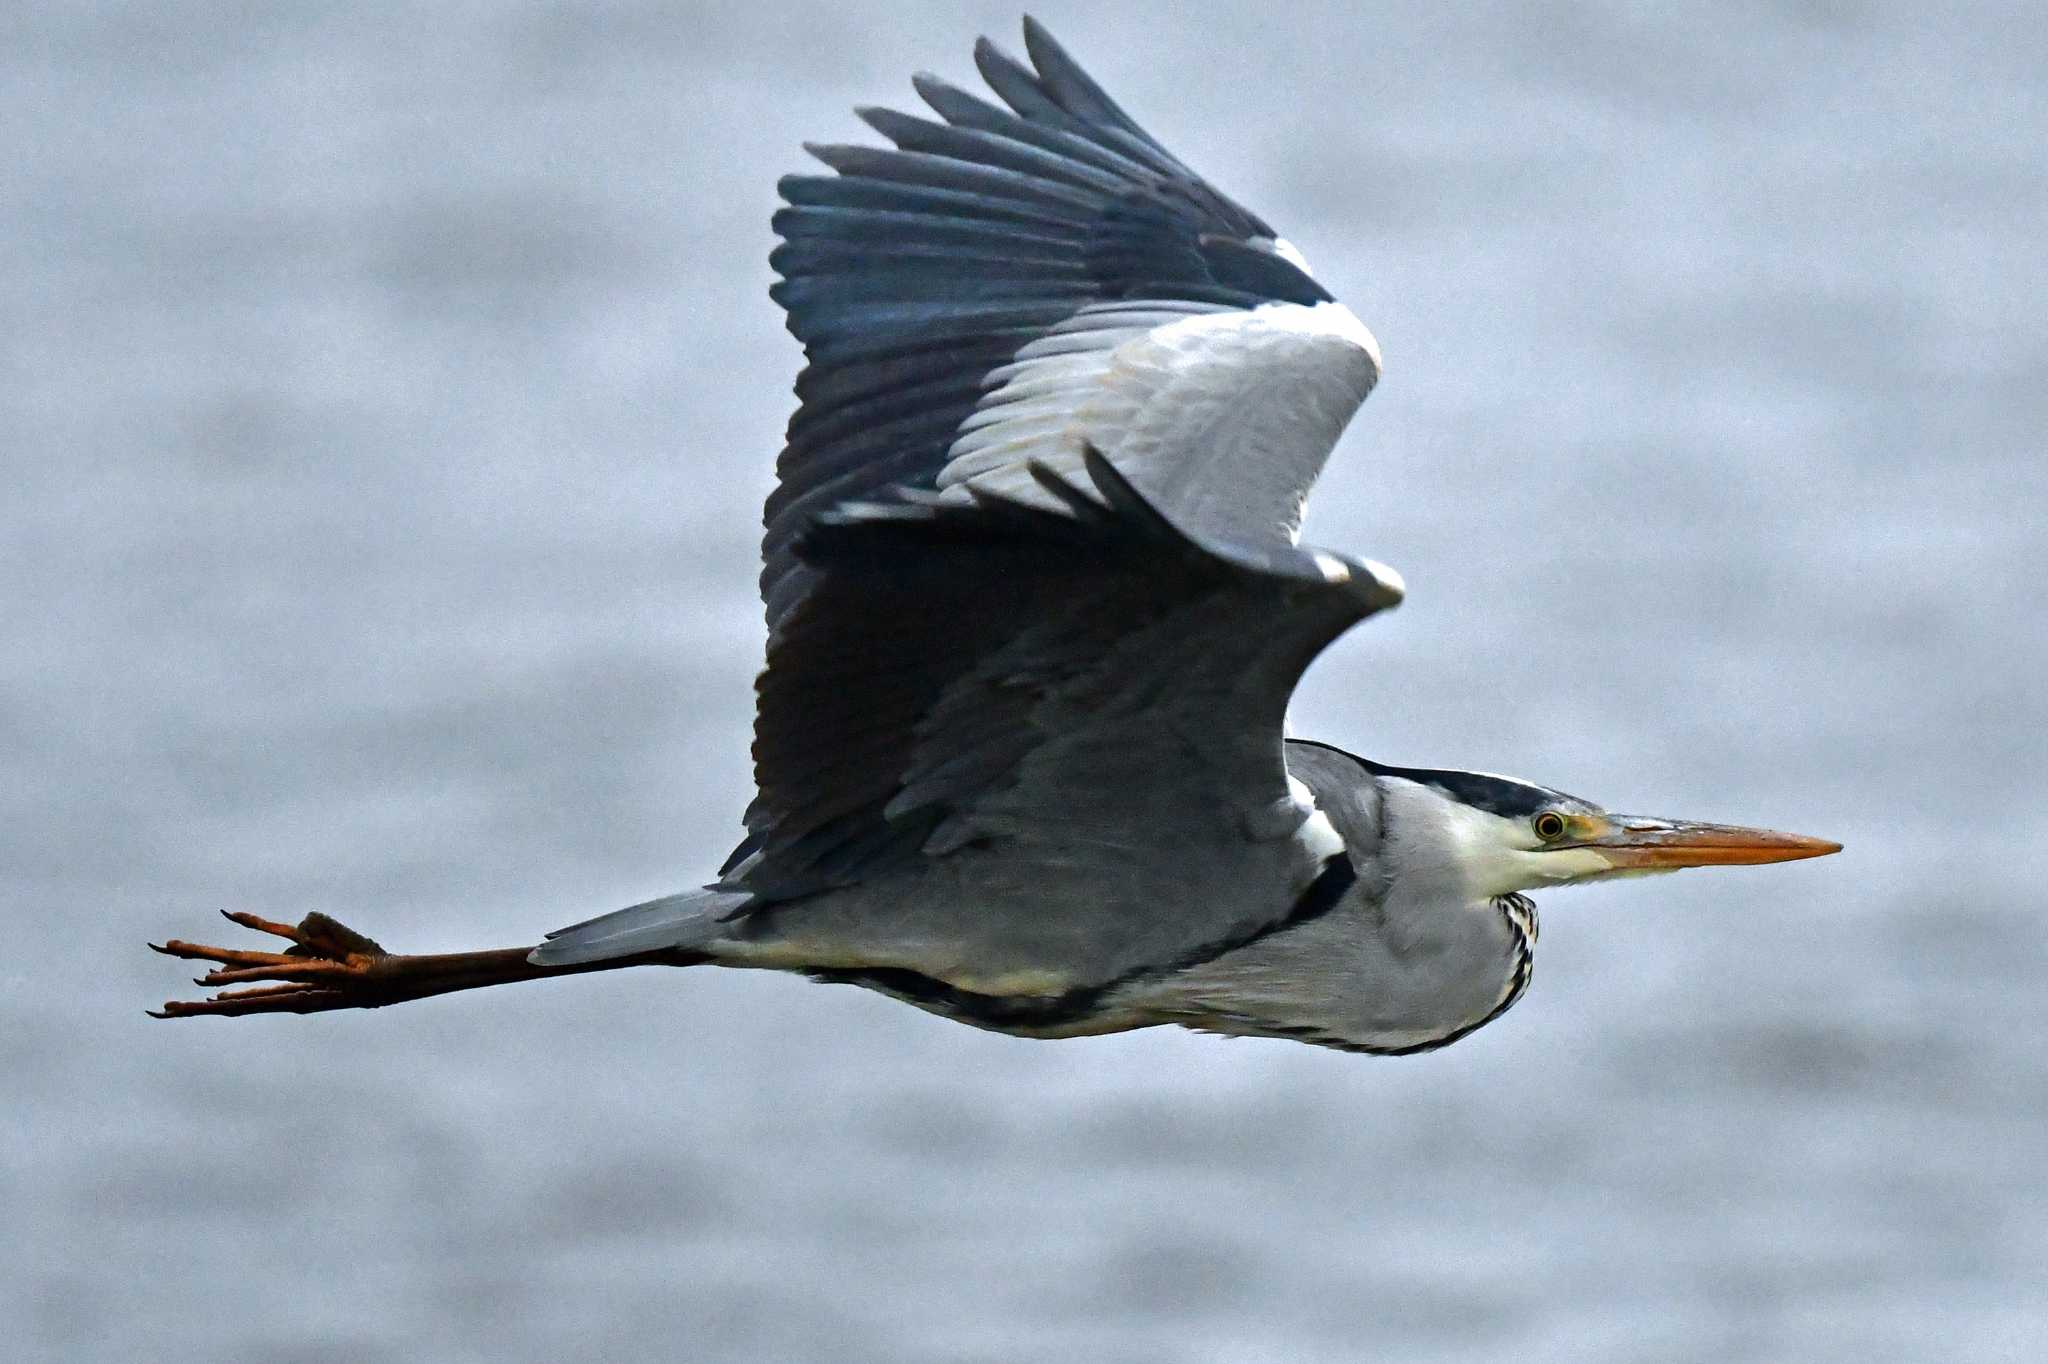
(331, 966)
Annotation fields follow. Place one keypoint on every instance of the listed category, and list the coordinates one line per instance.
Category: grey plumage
(1036, 609)
(1029, 697)
(683, 923)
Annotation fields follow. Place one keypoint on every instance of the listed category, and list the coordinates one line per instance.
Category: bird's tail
(687, 922)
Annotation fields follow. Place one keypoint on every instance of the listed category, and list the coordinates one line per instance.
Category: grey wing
(1071, 711)
(1009, 284)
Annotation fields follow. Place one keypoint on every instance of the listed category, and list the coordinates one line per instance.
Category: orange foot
(331, 966)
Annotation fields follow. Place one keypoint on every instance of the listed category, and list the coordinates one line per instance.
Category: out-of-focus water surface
(388, 397)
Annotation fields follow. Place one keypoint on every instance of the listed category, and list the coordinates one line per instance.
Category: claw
(293, 933)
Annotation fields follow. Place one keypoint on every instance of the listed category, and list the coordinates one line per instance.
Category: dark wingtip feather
(1061, 92)
(1083, 507)
(943, 96)
(1063, 78)
(1123, 497)
(905, 130)
(1018, 86)
(959, 107)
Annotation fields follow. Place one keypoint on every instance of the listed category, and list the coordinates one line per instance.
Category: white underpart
(1222, 416)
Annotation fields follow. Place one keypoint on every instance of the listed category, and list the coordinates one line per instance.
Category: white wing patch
(1317, 834)
(1222, 416)
(1285, 250)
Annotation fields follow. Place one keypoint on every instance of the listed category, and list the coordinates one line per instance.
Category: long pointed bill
(1668, 844)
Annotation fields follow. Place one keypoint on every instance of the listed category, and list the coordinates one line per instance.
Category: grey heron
(1035, 607)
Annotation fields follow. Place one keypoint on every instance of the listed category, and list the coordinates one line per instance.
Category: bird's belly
(936, 962)
(1011, 924)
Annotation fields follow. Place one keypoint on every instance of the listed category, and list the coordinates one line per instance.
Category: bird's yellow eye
(1550, 826)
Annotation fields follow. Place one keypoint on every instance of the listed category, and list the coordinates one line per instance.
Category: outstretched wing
(1092, 695)
(1007, 285)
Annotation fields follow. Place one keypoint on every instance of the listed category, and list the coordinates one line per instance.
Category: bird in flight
(1035, 607)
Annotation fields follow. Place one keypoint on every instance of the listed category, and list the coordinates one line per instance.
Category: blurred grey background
(389, 393)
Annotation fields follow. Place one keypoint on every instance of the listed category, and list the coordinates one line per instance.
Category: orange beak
(1635, 844)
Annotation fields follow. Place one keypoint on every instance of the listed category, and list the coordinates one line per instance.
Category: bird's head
(1496, 835)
